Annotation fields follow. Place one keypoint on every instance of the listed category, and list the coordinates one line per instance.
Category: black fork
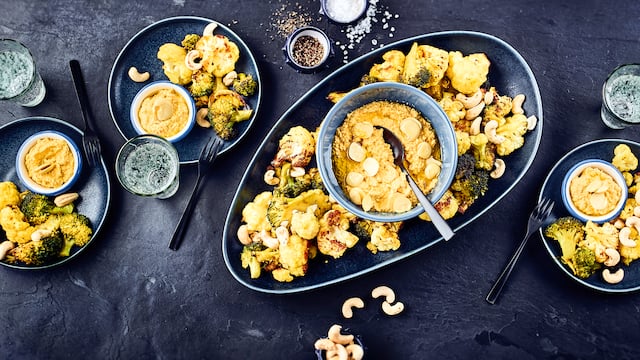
(90, 141)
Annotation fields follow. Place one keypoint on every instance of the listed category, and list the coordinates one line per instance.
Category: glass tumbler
(621, 97)
(20, 81)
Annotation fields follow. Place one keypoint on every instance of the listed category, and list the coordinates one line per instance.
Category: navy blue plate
(141, 52)
(93, 185)
(509, 73)
(598, 149)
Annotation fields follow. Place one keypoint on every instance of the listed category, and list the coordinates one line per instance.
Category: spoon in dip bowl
(398, 157)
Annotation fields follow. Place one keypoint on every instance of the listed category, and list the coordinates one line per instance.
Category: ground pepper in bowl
(308, 51)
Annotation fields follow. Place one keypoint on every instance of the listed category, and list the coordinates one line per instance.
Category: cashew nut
(339, 353)
(5, 246)
(532, 121)
(613, 278)
(488, 97)
(349, 304)
(475, 126)
(208, 30)
(498, 171)
(394, 309)
(470, 101)
(636, 211)
(490, 131)
(474, 112)
(619, 224)
(297, 171)
(201, 118)
(624, 235)
(516, 104)
(137, 76)
(355, 351)
(613, 257)
(636, 196)
(65, 199)
(243, 234)
(270, 177)
(337, 337)
(191, 60)
(268, 240)
(228, 79)
(387, 292)
(40, 234)
(324, 344)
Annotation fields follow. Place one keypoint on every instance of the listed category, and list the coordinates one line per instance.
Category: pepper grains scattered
(307, 51)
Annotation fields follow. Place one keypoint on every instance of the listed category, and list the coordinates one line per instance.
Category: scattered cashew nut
(137, 76)
(297, 171)
(619, 224)
(349, 304)
(243, 234)
(270, 177)
(65, 199)
(228, 79)
(201, 118)
(499, 169)
(613, 278)
(516, 104)
(5, 246)
(613, 257)
(355, 351)
(636, 211)
(208, 30)
(39, 234)
(324, 344)
(532, 121)
(470, 101)
(475, 126)
(488, 97)
(387, 292)
(623, 237)
(191, 60)
(394, 309)
(490, 131)
(474, 112)
(337, 337)
(636, 196)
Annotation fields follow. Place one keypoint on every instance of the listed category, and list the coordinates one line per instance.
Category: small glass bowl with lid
(344, 11)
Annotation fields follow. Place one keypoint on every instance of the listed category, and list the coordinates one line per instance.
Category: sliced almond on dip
(356, 195)
(363, 130)
(354, 178)
(598, 201)
(371, 166)
(410, 127)
(356, 152)
(401, 203)
(424, 150)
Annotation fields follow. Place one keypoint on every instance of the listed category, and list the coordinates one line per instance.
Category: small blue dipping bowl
(393, 92)
(608, 168)
(22, 170)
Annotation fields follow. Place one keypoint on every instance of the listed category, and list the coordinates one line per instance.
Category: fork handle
(493, 294)
(81, 91)
(178, 233)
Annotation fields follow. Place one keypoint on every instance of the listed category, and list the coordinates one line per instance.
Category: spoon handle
(437, 220)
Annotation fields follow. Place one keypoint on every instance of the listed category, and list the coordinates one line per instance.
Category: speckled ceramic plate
(598, 149)
(93, 185)
(509, 73)
(141, 52)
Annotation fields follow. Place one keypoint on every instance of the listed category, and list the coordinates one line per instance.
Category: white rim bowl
(395, 92)
(605, 166)
(22, 170)
(149, 89)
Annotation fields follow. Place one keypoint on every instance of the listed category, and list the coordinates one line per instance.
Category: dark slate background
(129, 296)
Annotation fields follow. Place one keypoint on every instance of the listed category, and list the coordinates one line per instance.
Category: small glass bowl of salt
(344, 11)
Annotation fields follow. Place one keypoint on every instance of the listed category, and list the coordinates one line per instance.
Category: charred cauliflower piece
(297, 147)
(15, 225)
(334, 238)
(219, 54)
(9, 194)
(512, 131)
(467, 73)
(392, 67)
(172, 57)
(424, 66)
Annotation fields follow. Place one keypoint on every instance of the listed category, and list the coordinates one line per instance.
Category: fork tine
(211, 150)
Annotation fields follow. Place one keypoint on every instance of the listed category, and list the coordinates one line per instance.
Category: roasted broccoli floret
(362, 229)
(281, 208)
(466, 166)
(245, 84)
(202, 84)
(420, 78)
(38, 252)
(76, 230)
(584, 263)
(291, 187)
(37, 208)
(189, 41)
(468, 188)
(568, 231)
(367, 79)
(226, 108)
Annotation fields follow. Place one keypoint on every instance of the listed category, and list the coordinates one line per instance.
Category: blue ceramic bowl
(394, 92)
(22, 170)
(576, 170)
(149, 90)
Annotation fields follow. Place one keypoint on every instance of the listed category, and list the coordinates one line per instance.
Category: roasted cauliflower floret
(384, 237)
(334, 238)
(453, 108)
(424, 66)
(447, 206)
(483, 151)
(467, 73)
(15, 225)
(392, 67)
(254, 214)
(294, 255)
(512, 131)
(305, 224)
(9, 194)
(624, 159)
(297, 146)
(219, 54)
(600, 237)
(464, 142)
(174, 67)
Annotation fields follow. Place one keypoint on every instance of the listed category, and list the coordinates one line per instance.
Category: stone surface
(129, 296)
